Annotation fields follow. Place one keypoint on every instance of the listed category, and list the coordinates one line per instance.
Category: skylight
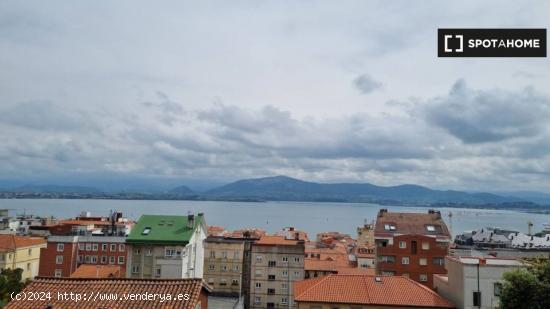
(146, 231)
(430, 228)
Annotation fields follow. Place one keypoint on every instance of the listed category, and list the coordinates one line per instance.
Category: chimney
(190, 221)
(382, 212)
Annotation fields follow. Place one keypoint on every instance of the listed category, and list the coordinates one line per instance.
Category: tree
(527, 288)
(10, 281)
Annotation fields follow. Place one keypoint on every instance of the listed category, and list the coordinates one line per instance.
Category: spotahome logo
(491, 42)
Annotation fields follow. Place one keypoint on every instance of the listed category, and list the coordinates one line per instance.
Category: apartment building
(275, 264)
(413, 245)
(63, 254)
(167, 247)
(473, 282)
(21, 252)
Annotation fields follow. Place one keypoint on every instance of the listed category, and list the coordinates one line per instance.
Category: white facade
(468, 275)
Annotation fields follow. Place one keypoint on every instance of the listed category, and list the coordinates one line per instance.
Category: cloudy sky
(220, 90)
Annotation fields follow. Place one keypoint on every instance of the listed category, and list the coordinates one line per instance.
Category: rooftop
(276, 241)
(163, 229)
(486, 261)
(12, 242)
(399, 223)
(97, 271)
(368, 290)
(193, 287)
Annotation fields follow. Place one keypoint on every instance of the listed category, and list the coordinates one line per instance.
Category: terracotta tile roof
(398, 223)
(275, 241)
(97, 271)
(327, 265)
(12, 242)
(355, 271)
(365, 290)
(193, 287)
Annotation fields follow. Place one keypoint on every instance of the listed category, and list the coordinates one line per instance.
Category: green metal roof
(157, 229)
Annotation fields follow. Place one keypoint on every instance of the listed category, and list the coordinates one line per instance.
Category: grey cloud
(481, 116)
(366, 84)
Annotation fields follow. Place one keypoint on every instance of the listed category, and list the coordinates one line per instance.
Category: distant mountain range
(282, 188)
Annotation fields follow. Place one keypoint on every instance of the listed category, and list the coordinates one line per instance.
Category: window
(258, 258)
(285, 273)
(235, 282)
(94, 247)
(211, 281)
(297, 259)
(136, 250)
(423, 261)
(28, 266)
(103, 247)
(60, 248)
(94, 259)
(135, 269)
(146, 231)
(405, 260)
(88, 247)
(271, 277)
(212, 254)
(430, 228)
(271, 291)
(258, 285)
(80, 259)
(169, 252)
(296, 274)
(270, 305)
(425, 245)
(87, 258)
(121, 259)
(284, 301)
(235, 268)
(113, 248)
(223, 282)
(389, 227)
(284, 286)
(148, 252)
(236, 254)
(121, 247)
(387, 259)
(257, 300)
(406, 275)
(224, 268)
(402, 245)
(59, 259)
(158, 271)
(438, 261)
(497, 288)
(103, 259)
(285, 258)
(258, 273)
(413, 247)
(58, 273)
(212, 267)
(271, 264)
(224, 254)
(111, 260)
(423, 278)
(81, 247)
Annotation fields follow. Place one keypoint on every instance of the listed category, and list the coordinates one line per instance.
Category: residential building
(21, 252)
(65, 253)
(167, 247)
(365, 235)
(184, 293)
(366, 257)
(355, 292)
(224, 261)
(275, 264)
(292, 233)
(98, 271)
(474, 282)
(413, 245)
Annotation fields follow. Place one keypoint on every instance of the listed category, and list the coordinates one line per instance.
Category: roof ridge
(321, 279)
